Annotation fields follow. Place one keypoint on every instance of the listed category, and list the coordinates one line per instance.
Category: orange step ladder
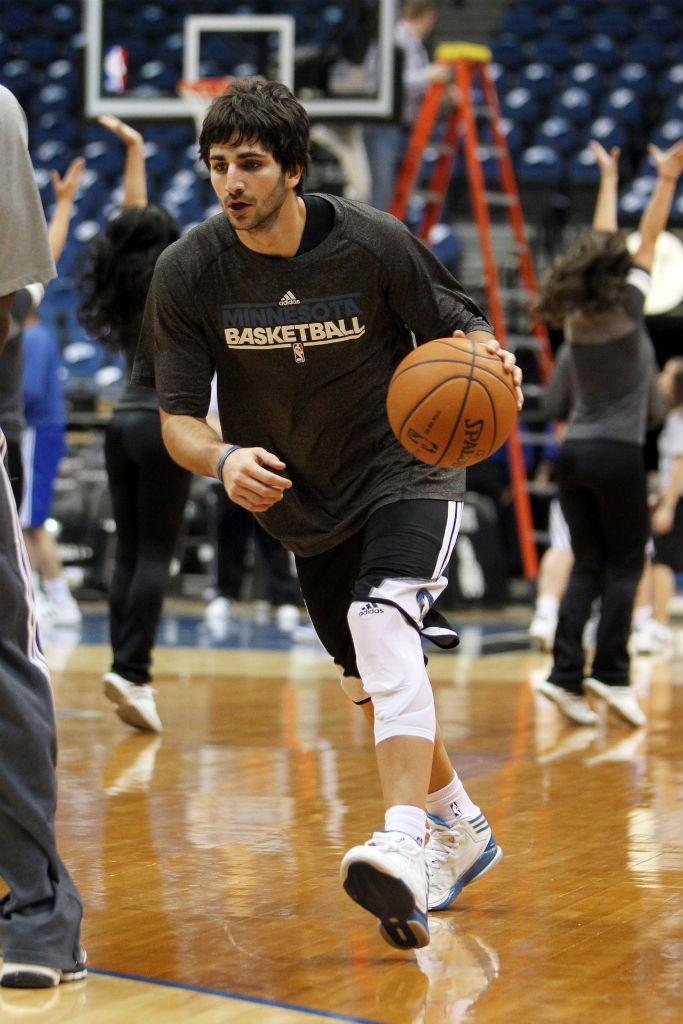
(470, 63)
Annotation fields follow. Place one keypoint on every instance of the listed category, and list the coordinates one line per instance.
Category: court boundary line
(259, 1000)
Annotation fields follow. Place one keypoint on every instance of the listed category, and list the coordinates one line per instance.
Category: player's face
(251, 186)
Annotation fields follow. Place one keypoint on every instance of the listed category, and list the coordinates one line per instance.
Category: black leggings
(603, 496)
(148, 492)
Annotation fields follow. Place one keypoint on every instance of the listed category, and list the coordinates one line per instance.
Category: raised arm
(669, 166)
(65, 192)
(605, 214)
(134, 177)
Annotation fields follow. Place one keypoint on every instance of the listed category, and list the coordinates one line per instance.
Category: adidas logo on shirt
(288, 299)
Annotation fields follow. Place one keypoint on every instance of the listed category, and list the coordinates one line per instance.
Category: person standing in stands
(303, 305)
(40, 915)
(148, 489)
(386, 141)
(596, 291)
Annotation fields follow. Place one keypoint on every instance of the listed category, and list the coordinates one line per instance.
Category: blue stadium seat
(538, 77)
(63, 20)
(574, 103)
(599, 49)
(53, 153)
(650, 52)
(514, 135)
(584, 168)
(521, 22)
(608, 132)
(614, 22)
(557, 133)
(553, 50)
(670, 81)
(588, 76)
(673, 108)
(623, 105)
(38, 50)
(634, 76)
(659, 22)
(520, 105)
(568, 22)
(540, 165)
(509, 51)
(668, 132)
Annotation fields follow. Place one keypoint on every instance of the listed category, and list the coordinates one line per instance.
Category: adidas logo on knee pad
(371, 609)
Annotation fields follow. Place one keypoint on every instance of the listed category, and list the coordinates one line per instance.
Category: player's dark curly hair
(268, 112)
(586, 280)
(113, 283)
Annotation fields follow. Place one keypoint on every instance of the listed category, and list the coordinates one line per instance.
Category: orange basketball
(451, 403)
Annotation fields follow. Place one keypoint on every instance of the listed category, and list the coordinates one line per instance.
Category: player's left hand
(508, 359)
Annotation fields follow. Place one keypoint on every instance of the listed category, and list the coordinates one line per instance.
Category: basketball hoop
(199, 93)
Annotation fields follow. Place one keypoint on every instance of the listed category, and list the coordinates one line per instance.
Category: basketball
(451, 403)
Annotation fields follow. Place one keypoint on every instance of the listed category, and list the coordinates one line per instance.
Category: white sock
(451, 802)
(36, 582)
(408, 819)
(57, 589)
(547, 606)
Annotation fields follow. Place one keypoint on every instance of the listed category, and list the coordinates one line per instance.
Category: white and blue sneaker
(388, 877)
(457, 855)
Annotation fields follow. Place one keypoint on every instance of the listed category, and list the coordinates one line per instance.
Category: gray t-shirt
(615, 368)
(25, 255)
(304, 349)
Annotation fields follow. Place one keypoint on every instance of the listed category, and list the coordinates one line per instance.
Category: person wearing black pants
(148, 489)
(148, 492)
(596, 291)
(609, 532)
(232, 527)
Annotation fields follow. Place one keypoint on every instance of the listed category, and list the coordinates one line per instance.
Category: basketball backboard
(319, 49)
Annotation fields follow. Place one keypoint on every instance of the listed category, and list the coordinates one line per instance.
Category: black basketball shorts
(405, 540)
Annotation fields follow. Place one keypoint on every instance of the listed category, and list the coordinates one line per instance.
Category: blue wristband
(221, 461)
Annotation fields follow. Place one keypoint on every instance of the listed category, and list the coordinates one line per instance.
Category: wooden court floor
(208, 858)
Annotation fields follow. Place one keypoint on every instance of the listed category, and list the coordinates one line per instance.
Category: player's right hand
(249, 479)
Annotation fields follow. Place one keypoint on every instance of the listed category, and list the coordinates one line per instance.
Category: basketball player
(304, 305)
(41, 914)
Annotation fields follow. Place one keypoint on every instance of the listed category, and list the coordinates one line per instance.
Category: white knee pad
(391, 664)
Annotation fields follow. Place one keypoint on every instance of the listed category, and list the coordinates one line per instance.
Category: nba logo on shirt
(298, 351)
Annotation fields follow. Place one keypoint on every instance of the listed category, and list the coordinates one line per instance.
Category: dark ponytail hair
(117, 272)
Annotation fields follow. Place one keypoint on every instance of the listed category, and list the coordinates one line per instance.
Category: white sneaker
(456, 855)
(620, 699)
(287, 617)
(572, 705)
(542, 631)
(64, 613)
(653, 638)
(388, 877)
(219, 609)
(134, 702)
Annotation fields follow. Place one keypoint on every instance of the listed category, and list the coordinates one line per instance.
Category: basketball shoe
(456, 855)
(134, 702)
(21, 975)
(572, 705)
(388, 877)
(620, 699)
